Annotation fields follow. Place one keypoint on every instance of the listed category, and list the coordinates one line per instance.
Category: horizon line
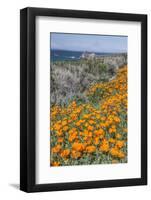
(88, 51)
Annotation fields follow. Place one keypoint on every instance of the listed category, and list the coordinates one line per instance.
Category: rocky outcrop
(88, 56)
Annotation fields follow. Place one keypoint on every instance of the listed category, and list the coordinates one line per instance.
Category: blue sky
(92, 43)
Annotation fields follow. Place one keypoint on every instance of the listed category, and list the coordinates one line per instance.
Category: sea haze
(63, 55)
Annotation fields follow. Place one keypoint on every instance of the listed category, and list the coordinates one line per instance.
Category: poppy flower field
(95, 131)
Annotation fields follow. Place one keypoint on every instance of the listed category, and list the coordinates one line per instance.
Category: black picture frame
(28, 98)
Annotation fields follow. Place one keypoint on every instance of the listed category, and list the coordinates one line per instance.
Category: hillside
(70, 79)
(89, 114)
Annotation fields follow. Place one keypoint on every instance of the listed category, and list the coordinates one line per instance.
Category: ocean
(63, 55)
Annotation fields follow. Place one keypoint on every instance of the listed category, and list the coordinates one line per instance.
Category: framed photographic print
(83, 99)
